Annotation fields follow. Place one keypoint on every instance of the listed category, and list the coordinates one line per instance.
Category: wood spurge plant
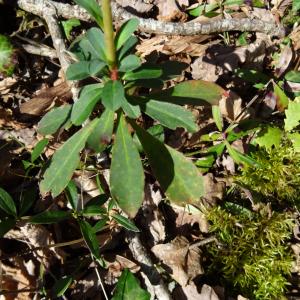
(106, 57)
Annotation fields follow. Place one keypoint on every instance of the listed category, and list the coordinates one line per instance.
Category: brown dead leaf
(184, 262)
(169, 11)
(295, 37)
(220, 60)
(171, 45)
(185, 217)
(39, 104)
(284, 60)
(139, 6)
(6, 84)
(12, 279)
(214, 189)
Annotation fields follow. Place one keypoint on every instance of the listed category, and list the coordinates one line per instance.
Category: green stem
(109, 35)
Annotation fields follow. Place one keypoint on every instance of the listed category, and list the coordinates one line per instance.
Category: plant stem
(109, 35)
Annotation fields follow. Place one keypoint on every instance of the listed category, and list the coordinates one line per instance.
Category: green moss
(277, 179)
(253, 257)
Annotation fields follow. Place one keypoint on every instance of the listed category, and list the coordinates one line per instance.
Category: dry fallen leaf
(39, 104)
(169, 11)
(184, 262)
(138, 6)
(171, 45)
(284, 61)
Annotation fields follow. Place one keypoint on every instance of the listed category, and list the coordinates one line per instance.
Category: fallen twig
(140, 254)
(150, 25)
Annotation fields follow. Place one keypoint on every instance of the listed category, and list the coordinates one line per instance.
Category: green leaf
(90, 238)
(64, 161)
(84, 106)
(28, 197)
(100, 224)
(96, 38)
(7, 56)
(78, 70)
(296, 5)
(68, 26)
(268, 137)
(252, 76)
(192, 92)
(129, 63)
(126, 172)
(170, 115)
(6, 225)
(72, 194)
(7, 203)
(143, 73)
(54, 119)
(131, 110)
(127, 47)
(84, 69)
(293, 76)
(92, 7)
(113, 95)
(177, 175)
(126, 223)
(239, 157)
(216, 112)
(295, 139)
(282, 99)
(125, 32)
(50, 217)
(38, 149)
(128, 288)
(93, 210)
(292, 116)
(101, 135)
(61, 286)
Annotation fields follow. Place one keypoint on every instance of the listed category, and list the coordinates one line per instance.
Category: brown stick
(150, 25)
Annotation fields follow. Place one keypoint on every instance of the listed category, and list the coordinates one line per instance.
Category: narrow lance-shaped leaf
(101, 135)
(38, 149)
(64, 161)
(170, 115)
(126, 173)
(82, 108)
(126, 30)
(92, 7)
(54, 119)
(126, 223)
(50, 217)
(113, 95)
(193, 92)
(216, 112)
(96, 38)
(128, 288)
(90, 238)
(62, 285)
(7, 203)
(177, 175)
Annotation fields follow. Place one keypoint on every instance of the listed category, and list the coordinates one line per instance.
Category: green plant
(7, 56)
(121, 79)
(253, 256)
(278, 156)
(222, 139)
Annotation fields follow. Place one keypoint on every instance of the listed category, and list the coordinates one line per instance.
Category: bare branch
(150, 25)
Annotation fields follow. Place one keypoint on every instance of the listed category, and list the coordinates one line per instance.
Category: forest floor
(241, 240)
